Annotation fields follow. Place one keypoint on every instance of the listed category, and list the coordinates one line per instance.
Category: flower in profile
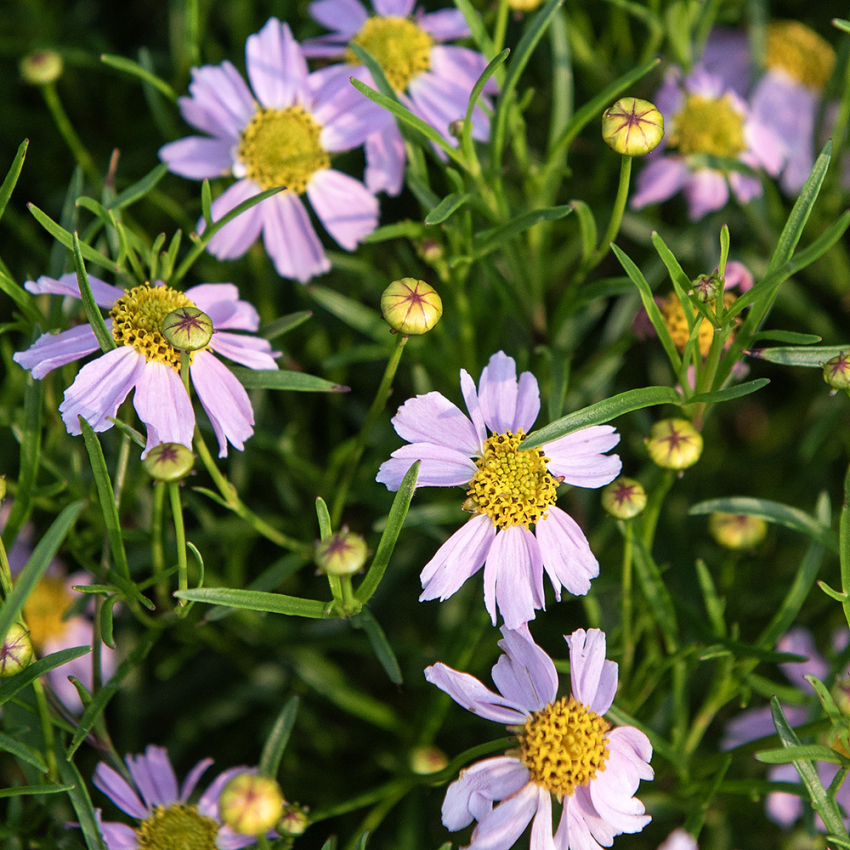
(283, 134)
(509, 490)
(143, 359)
(166, 817)
(710, 131)
(737, 531)
(566, 748)
(433, 80)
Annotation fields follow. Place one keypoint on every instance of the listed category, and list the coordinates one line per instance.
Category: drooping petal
(705, 191)
(566, 553)
(237, 236)
(459, 558)
(432, 418)
(221, 302)
(445, 25)
(471, 796)
(385, 161)
(579, 458)
(525, 674)
(500, 829)
(661, 179)
(347, 209)
(341, 16)
(593, 679)
(596, 829)
(541, 828)
(192, 779)
(198, 157)
(50, 351)
(116, 788)
(440, 467)
(290, 239)
(154, 776)
(100, 387)
(251, 351)
(276, 66)
(469, 693)
(118, 836)
(513, 577)
(164, 406)
(105, 295)
(221, 104)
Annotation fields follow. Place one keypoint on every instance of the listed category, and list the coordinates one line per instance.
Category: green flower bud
(2, 487)
(425, 760)
(836, 372)
(708, 287)
(524, 5)
(341, 554)
(624, 498)
(411, 306)
(251, 804)
(674, 444)
(295, 820)
(632, 127)
(187, 329)
(169, 462)
(15, 651)
(41, 67)
(737, 531)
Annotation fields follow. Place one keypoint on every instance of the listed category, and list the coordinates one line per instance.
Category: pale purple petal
(445, 25)
(50, 351)
(105, 295)
(727, 55)
(767, 148)
(208, 803)
(440, 102)
(660, 180)
(800, 641)
(227, 839)
(251, 351)
(566, 553)
(599, 831)
(635, 751)
(745, 187)
(470, 694)
(738, 275)
(116, 788)
(347, 209)
(100, 387)
(471, 796)
(460, 557)
(497, 393)
(574, 824)
(154, 776)
(705, 191)
(118, 836)
(221, 302)
(527, 403)
(432, 418)
(525, 674)
(755, 723)
(500, 829)
(290, 239)
(192, 779)
(225, 401)
(679, 839)
(578, 457)
(541, 828)
(394, 8)
(593, 679)
(347, 117)
(164, 406)
(781, 807)
(513, 577)
(198, 157)
(470, 397)
(237, 236)
(221, 104)
(341, 16)
(440, 467)
(276, 66)
(462, 66)
(385, 160)
(324, 47)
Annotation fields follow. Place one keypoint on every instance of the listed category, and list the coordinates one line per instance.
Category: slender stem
(653, 508)
(157, 548)
(180, 532)
(501, 26)
(377, 408)
(68, 133)
(616, 214)
(5, 571)
(626, 596)
(184, 371)
(47, 730)
(844, 546)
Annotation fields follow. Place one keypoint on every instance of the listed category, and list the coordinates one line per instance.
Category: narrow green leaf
(395, 521)
(271, 379)
(602, 411)
(476, 26)
(140, 188)
(284, 324)
(256, 600)
(715, 607)
(80, 800)
(838, 596)
(383, 651)
(24, 753)
(466, 135)
(826, 700)
(67, 239)
(587, 227)
(106, 624)
(658, 598)
(790, 337)
(450, 204)
(353, 313)
(278, 738)
(399, 230)
(33, 790)
(21, 297)
(324, 517)
(681, 282)
(489, 240)
(11, 179)
(729, 393)
(813, 358)
(14, 684)
(93, 314)
(128, 66)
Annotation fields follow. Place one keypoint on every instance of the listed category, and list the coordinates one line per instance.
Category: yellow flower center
(564, 746)
(709, 125)
(281, 147)
(400, 47)
(177, 827)
(137, 320)
(44, 609)
(677, 323)
(510, 486)
(800, 52)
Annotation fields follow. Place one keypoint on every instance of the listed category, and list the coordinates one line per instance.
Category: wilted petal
(513, 577)
(593, 679)
(566, 553)
(471, 796)
(469, 693)
(459, 558)
(525, 674)
(500, 829)
(164, 406)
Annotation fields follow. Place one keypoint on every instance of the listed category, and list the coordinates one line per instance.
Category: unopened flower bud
(425, 760)
(632, 127)
(15, 651)
(737, 531)
(251, 804)
(187, 329)
(524, 5)
(294, 821)
(624, 498)
(674, 444)
(2, 487)
(430, 250)
(411, 306)
(708, 287)
(456, 128)
(836, 372)
(841, 695)
(41, 67)
(341, 554)
(169, 462)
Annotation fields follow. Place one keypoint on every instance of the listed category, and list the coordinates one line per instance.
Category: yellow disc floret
(799, 52)
(137, 321)
(44, 609)
(709, 125)
(177, 827)
(677, 323)
(510, 486)
(564, 746)
(281, 147)
(400, 47)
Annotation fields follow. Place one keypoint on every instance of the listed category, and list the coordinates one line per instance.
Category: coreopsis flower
(166, 817)
(143, 359)
(283, 134)
(433, 80)
(509, 490)
(706, 123)
(566, 748)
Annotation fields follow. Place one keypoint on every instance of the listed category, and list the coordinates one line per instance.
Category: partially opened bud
(624, 498)
(251, 804)
(737, 531)
(708, 287)
(187, 329)
(632, 127)
(341, 554)
(169, 462)
(411, 306)
(41, 67)
(836, 372)
(674, 444)
(15, 651)
(294, 821)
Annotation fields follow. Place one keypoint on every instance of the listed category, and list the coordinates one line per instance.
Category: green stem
(68, 133)
(501, 27)
(5, 571)
(844, 546)
(653, 508)
(157, 549)
(627, 608)
(616, 214)
(47, 730)
(180, 532)
(377, 408)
